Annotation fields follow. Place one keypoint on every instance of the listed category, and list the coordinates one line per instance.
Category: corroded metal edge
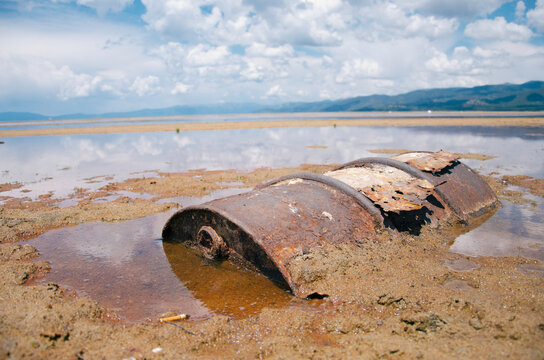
(166, 232)
(446, 197)
(181, 227)
(365, 202)
(407, 168)
(451, 197)
(487, 198)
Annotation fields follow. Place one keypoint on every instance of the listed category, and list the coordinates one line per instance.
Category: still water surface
(63, 163)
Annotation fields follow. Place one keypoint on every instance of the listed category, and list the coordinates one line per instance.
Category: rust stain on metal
(281, 220)
(458, 186)
(465, 192)
(390, 188)
(432, 162)
(270, 226)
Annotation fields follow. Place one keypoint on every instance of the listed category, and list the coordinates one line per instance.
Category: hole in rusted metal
(210, 243)
(410, 221)
(316, 296)
(434, 201)
(205, 240)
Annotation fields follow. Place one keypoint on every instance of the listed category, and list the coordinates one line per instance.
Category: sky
(96, 56)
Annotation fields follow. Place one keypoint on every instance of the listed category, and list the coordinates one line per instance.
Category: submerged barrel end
(219, 235)
(170, 231)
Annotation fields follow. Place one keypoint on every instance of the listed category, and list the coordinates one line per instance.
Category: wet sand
(408, 297)
(537, 121)
(404, 297)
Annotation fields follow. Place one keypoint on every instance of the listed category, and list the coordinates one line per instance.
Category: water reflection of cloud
(145, 146)
(182, 141)
(515, 230)
(31, 159)
(112, 244)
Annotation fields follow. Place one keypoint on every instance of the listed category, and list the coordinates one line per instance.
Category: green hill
(505, 97)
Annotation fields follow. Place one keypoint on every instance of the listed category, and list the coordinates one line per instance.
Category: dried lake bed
(134, 276)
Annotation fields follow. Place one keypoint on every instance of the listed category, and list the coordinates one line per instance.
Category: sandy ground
(234, 125)
(405, 297)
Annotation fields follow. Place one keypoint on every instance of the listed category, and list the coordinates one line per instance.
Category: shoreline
(269, 124)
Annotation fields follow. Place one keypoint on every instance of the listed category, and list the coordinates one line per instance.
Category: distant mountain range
(169, 111)
(505, 97)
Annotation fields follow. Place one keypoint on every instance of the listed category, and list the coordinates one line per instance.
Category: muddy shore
(407, 297)
(268, 124)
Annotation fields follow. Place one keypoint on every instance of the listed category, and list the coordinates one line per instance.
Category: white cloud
(459, 63)
(312, 22)
(191, 64)
(34, 75)
(535, 17)
(516, 50)
(214, 51)
(431, 27)
(260, 49)
(180, 88)
(498, 29)
(148, 85)
(503, 61)
(74, 85)
(172, 53)
(485, 53)
(275, 91)
(324, 94)
(358, 68)
(520, 10)
(237, 22)
(253, 71)
(391, 20)
(183, 19)
(203, 55)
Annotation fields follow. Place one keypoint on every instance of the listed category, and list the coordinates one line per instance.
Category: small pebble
(475, 323)
(157, 350)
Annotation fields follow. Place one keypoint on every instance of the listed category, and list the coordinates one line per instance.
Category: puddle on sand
(513, 230)
(127, 268)
(461, 265)
(455, 284)
(533, 270)
(222, 286)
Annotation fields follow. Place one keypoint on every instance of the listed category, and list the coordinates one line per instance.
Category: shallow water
(127, 267)
(514, 230)
(52, 123)
(63, 164)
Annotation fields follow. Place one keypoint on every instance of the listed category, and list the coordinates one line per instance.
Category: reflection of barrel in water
(222, 286)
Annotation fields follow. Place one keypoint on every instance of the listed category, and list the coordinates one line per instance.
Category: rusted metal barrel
(359, 201)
